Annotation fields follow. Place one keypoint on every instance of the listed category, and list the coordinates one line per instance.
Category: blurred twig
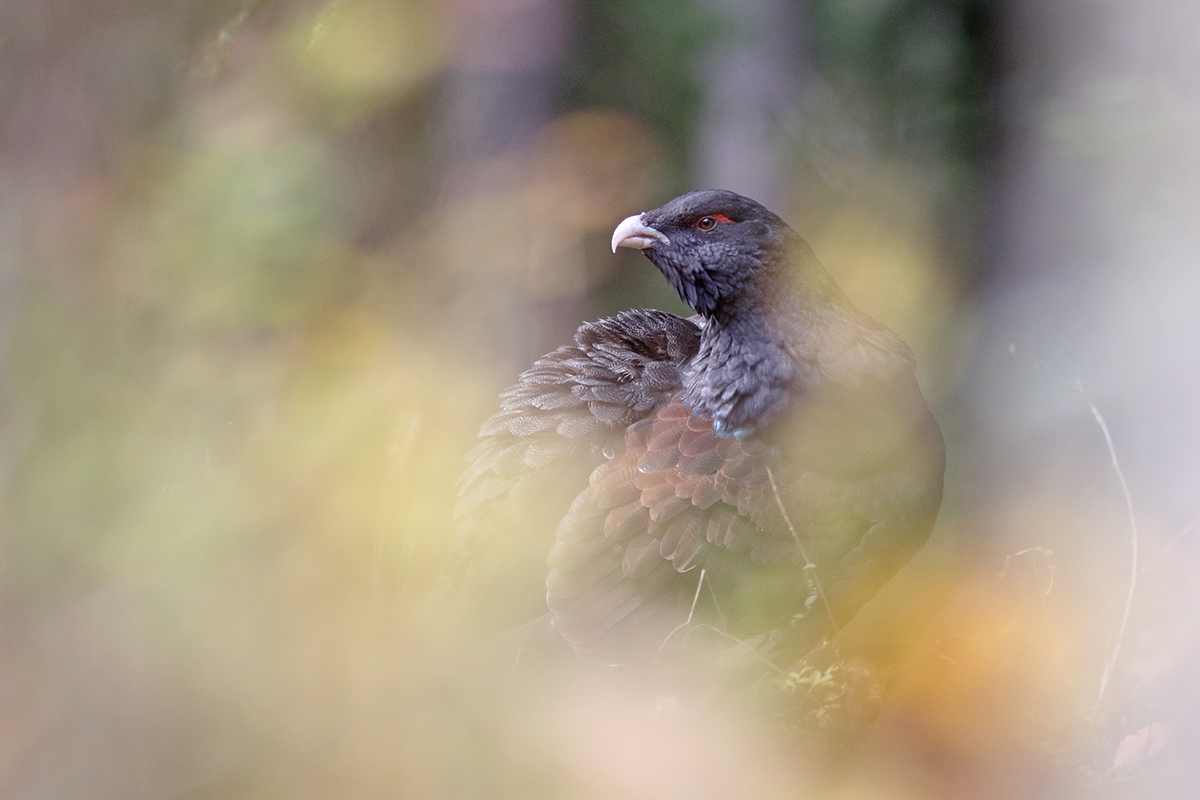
(1134, 570)
(690, 616)
(810, 568)
(1133, 540)
(1042, 551)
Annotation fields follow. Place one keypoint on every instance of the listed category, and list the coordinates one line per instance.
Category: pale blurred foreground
(258, 300)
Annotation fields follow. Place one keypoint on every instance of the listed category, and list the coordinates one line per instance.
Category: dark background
(265, 265)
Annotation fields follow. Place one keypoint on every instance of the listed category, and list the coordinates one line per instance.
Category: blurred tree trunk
(501, 80)
(84, 85)
(1096, 237)
(74, 96)
(752, 79)
(498, 93)
(1093, 297)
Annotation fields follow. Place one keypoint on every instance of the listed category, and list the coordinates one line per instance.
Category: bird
(756, 471)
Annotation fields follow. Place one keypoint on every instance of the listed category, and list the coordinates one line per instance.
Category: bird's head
(718, 249)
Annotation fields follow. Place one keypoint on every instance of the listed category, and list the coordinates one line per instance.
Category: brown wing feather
(699, 500)
(682, 516)
(563, 417)
(858, 469)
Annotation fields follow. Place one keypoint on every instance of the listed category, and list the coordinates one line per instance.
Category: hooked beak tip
(634, 233)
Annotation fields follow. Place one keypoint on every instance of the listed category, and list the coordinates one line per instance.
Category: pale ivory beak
(632, 232)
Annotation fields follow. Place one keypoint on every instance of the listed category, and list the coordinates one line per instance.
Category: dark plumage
(692, 437)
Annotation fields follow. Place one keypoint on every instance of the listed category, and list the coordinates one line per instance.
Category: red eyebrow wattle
(720, 218)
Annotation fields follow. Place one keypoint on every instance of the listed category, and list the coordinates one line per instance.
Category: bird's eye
(706, 223)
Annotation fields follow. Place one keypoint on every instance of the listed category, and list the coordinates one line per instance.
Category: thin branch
(741, 643)
(686, 622)
(1191, 526)
(1133, 561)
(1042, 551)
(809, 567)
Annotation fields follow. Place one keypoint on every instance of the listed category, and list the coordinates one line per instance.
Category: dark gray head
(726, 256)
(719, 250)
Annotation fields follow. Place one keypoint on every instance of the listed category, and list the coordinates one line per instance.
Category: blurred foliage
(925, 66)
(640, 56)
(824, 698)
(360, 50)
(250, 328)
